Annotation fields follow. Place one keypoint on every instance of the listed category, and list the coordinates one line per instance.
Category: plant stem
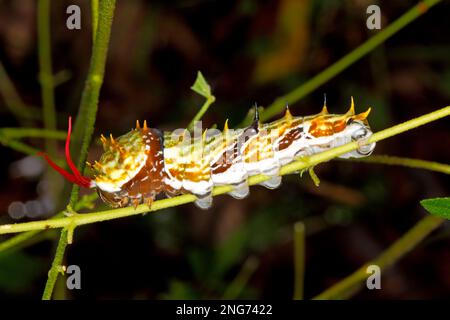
(84, 126)
(299, 260)
(12, 99)
(18, 146)
(406, 162)
(237, 285)
(210, 100)
(292, 167)
(45, 71)
(18, 133)
(94, 17)
(351, 284)
(56, 266)
(18, 240)
(279, 104)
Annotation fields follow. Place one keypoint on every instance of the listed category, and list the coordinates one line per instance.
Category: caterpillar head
(120, 175)
(122, 160)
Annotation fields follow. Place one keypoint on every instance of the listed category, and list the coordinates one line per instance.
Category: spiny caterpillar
(143, 163)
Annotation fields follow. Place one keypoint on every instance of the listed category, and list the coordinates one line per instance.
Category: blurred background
(249, 51)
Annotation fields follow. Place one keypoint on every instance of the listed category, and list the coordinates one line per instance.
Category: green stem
(299, 260)
(45, 71)
(18, 146)
(84, 126)
(279, 104)
(351, 284)
(12, 99)
(238, 284)
(295, 166)
(210, 100)
(56, 266)
(94, 17)
(19, 240)
(406, 162)
(18, 133)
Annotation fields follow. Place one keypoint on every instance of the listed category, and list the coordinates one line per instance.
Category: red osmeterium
(75, 176)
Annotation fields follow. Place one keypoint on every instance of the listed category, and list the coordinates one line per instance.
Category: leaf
(201, 86)
(437, 206)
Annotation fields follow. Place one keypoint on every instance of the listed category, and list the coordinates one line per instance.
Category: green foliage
(201, 86)
(438, 206)
(204, 89)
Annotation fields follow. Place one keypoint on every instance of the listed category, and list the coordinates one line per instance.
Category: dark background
(248, 51)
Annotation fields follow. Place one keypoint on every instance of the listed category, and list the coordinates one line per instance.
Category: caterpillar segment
(143, 163)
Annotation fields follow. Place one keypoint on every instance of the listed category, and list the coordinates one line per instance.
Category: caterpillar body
(144, 162)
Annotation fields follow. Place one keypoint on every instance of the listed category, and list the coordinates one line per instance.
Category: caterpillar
(143, 163)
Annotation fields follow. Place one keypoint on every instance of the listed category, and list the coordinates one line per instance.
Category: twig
(18, 133)
(202, 111)
(18, 240)
(299, 260)
(56, 266)
(85, 123)
(12, 99)
(237, 285)
(202, 87)
(84, 126)
(406, 162)
(94, 17)
(18, 146)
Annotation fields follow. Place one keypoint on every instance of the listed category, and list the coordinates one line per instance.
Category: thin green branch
(12, 99)
(45, 71)
(21, 240)
(279, 104)
(94, 17)
(84, 126)
(201, 87)
(209, 101)
(239, 282)
(18, 241)
(19, 133)
(293, 167)
(351, 284)
(299, 260)
(406, 162)
(56, 266)
(18, 146)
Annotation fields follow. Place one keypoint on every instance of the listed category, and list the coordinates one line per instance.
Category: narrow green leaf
(201, 86)
(437, 206)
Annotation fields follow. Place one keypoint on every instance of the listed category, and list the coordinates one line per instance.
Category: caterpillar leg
(272, 183)
(204, 201)
(149, 201)
(135, 202)
(241, 190)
